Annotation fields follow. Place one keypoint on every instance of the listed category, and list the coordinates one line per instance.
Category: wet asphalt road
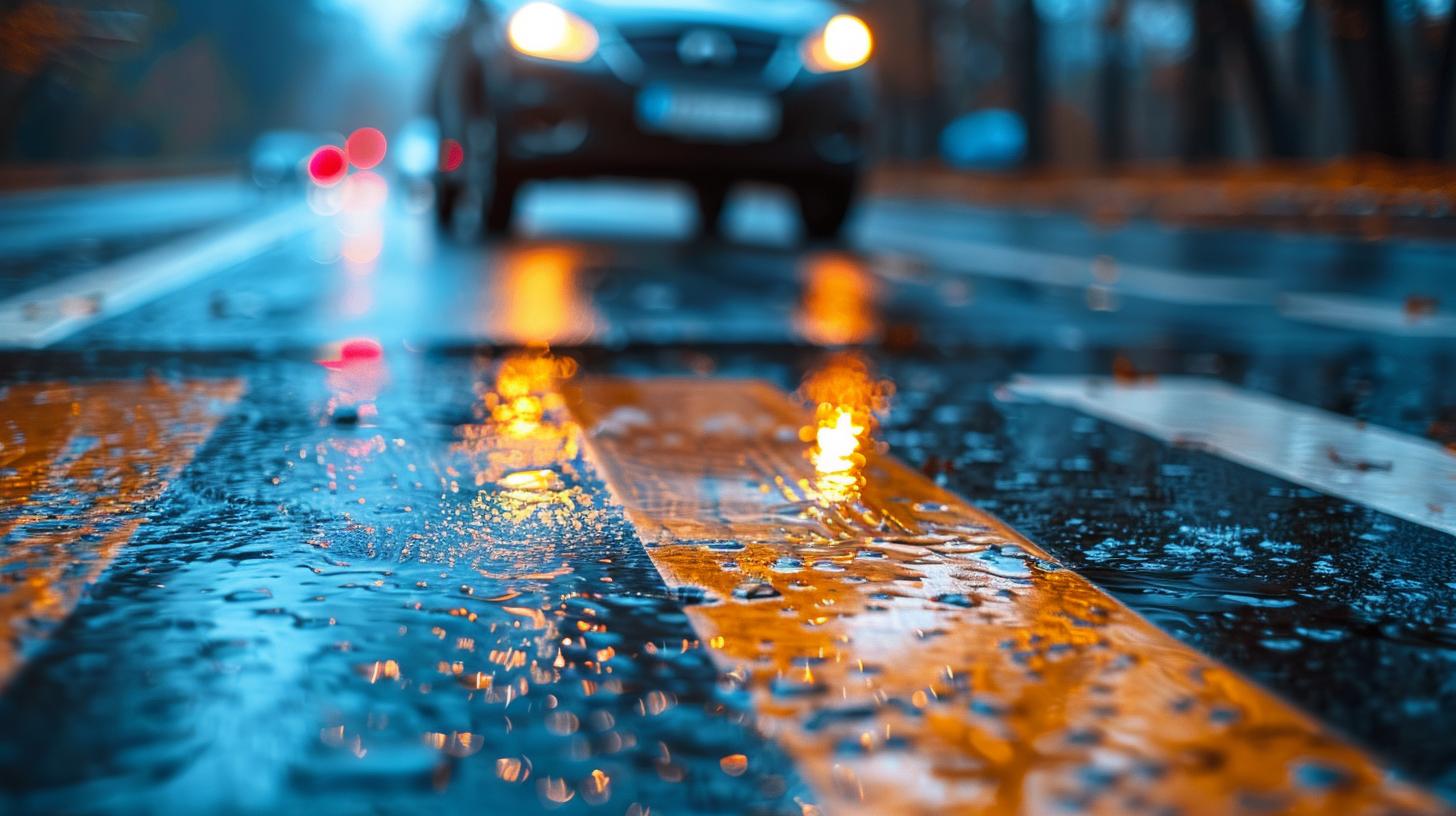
(1345, 610)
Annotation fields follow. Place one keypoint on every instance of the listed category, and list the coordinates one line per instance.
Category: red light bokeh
(354, 352)
(366, 148)
(327, 166)
(452, 155)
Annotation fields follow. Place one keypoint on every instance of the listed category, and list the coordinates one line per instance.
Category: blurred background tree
(995, 84)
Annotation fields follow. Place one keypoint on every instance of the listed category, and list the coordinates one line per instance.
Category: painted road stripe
(1052, 269)
(1340, 311)
(51, 313)
(913, 654)
(1398, 474)
(1164, 284)
(53, 219)
(77, 464)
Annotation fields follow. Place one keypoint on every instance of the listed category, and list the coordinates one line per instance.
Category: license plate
(708, 115)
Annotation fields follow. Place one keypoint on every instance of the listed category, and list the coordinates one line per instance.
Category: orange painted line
(80, 461)
(915, 655)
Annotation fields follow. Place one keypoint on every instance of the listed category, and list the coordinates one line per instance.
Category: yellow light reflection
(525, 389)
(846, 398)
(537, 298)
(522, 440)
(531, 480)
(839, 302)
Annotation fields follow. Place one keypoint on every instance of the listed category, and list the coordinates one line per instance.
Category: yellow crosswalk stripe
(77, 462)
(915, 655)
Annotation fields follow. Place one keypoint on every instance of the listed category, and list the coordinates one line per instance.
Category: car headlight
(548, 31)
(845, 42)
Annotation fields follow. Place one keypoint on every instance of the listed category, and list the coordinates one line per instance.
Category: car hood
(782, 16)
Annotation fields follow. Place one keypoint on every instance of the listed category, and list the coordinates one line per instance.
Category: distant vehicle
(710, 92)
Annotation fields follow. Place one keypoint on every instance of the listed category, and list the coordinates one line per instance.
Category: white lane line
(1052, 269)
(31, 223)
(887, 229)
(51, 313)
(1398, 474)
(1349, 312)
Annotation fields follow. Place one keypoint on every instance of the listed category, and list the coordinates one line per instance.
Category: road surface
(309, 507)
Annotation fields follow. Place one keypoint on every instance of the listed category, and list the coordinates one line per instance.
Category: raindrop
(825, 718)
(1322, 635)
(1005, 562)
(1224, 715)
(798, 684)
(987, 708)
(1266, 603)
(1084, 737)
(1321, 776)
(787, 564)
(692, 596)
(755, 590)
(734, 764)
(957, 599)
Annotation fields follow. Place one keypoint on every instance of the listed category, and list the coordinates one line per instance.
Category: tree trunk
(1203, 105)
(1269, 111)
(1389, 89)
(1362, 42)
(1445, 88)
(1112, 87)
(1031, 83)
(1306, 77)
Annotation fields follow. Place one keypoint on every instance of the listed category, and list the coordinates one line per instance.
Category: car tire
(712, 196)
(824, 205)
(492, 189)
(498, 207)
(447, 201)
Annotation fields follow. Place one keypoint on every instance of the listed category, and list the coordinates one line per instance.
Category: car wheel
(447, 201)
(711, 197)
(499, 206)
(493, 190)
(824, 205)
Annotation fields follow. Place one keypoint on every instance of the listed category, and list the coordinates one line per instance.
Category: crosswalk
(905, 651)
(439, 573)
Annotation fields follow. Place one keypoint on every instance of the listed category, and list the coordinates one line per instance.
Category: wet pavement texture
(317, 605)
(326, 610)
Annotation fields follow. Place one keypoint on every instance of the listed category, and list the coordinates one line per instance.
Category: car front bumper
(557, 120)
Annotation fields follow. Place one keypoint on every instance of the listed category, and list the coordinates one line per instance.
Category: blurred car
(711, 92)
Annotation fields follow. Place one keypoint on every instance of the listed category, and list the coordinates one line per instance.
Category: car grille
(659, 51)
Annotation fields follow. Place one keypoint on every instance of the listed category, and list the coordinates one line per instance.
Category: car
(708, 92)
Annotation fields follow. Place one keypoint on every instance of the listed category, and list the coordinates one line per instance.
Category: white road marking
(1349, 312)
(1052, 269)
(45, 220)
(889, 229)
(1395, 473)
(51, 313)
